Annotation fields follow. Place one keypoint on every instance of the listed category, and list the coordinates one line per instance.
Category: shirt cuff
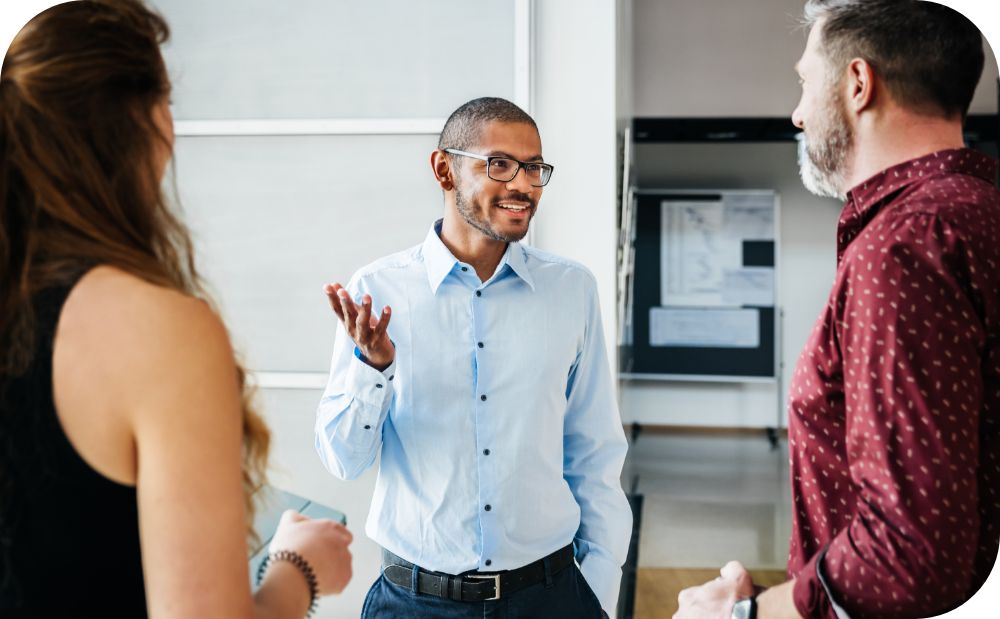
(604, 577)
(837, 608)
(811, 592)
(368, 385)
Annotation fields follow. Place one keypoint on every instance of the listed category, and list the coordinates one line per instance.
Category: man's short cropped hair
(929, 56)
(462, 129)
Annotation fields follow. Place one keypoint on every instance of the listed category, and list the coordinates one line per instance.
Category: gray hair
(929, 56)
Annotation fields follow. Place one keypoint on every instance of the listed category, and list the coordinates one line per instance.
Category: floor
(706, 501)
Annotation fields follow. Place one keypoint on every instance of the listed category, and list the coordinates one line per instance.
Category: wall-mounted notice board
(704, 298)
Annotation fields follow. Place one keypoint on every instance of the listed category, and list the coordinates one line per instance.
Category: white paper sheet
(701, 250)
(704, 327)
(748, 286)
(694, 253)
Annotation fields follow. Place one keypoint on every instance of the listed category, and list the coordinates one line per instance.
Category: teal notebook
(270, 504)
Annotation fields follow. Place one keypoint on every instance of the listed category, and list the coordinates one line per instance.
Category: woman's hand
(322, 543)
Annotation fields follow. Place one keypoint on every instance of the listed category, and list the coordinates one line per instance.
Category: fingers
(362, 323)
(733, 570)
(349, 309)
(290, 515)
(333, 296)
(340, 531)
(369, 330)
(383, 324)
(346, 572)
(365, 329)
(346, 533)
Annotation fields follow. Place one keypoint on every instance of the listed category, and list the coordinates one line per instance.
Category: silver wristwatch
(745, 609)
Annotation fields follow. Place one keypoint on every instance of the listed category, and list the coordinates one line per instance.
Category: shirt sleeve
(594, 453)
(354, 406)
(912, 344)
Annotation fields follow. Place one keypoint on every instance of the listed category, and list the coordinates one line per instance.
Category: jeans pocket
(368, 597)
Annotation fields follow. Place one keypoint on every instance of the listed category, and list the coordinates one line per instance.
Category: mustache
(515, 197)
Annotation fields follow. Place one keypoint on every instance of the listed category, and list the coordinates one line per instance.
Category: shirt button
(479, 293)
(465, 269)
(392, 377)
(368, 427)
(378, 385)
(481, 344)
(488, 507)
(483, 397)
(486, 452)
(489, 562)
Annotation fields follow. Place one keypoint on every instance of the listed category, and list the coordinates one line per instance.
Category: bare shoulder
(138, 336)
(126, 312)
(129, 357)
(107, 288)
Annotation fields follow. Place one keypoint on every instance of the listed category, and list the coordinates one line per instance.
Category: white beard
(822, 184)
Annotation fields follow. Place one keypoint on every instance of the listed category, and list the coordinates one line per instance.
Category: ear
(860, 85)
(443, 173)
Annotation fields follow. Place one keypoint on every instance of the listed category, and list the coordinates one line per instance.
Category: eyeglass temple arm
(455, 151)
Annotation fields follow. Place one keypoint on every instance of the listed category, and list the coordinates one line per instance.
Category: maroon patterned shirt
(894, 408)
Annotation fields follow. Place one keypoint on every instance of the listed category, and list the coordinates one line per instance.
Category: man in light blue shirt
(484, 383)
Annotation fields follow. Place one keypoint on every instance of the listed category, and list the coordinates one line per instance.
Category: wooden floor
(656, 589)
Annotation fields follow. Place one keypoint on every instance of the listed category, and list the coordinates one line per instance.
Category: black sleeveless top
(69, 537)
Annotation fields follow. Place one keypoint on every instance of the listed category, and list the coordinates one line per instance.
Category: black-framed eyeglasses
(504, 169)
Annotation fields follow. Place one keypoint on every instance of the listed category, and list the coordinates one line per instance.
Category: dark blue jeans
(563, 595)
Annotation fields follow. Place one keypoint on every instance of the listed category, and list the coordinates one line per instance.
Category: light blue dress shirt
(500, 437)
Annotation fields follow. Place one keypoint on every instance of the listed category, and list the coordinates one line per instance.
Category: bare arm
(777, 602)
(187, 433)
(161, 366)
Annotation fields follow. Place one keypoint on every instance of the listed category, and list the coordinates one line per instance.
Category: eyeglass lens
(504, 170)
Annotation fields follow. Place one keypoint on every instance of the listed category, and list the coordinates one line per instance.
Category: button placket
(483, 429)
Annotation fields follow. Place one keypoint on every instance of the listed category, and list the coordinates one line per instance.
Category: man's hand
(715, 600)
(368, 332)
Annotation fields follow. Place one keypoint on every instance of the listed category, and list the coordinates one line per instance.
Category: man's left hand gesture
(715, 599)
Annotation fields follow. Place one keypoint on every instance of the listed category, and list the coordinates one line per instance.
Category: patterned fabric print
(893, 408)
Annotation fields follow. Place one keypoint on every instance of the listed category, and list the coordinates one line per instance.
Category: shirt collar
(872, 192)
(440, 261)
(517, 259)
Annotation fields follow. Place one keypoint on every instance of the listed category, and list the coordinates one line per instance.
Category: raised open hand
(368, 332)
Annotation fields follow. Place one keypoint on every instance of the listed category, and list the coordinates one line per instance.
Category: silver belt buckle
(496, 583)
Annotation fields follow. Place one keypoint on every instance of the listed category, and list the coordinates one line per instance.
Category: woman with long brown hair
(128, 447)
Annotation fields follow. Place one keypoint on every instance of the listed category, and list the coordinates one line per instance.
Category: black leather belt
(473, 586)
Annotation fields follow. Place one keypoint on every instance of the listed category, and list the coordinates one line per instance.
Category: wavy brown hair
(79, 187)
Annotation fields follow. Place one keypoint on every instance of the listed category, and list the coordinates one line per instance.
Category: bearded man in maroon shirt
(894, 407)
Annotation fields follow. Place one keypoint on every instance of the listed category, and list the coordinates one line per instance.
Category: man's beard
(466, 208)
(822, 163)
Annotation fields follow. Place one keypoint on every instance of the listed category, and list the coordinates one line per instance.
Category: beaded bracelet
(295, 559)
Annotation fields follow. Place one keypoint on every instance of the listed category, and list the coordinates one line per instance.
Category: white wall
(727, 58)
(574, 103)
